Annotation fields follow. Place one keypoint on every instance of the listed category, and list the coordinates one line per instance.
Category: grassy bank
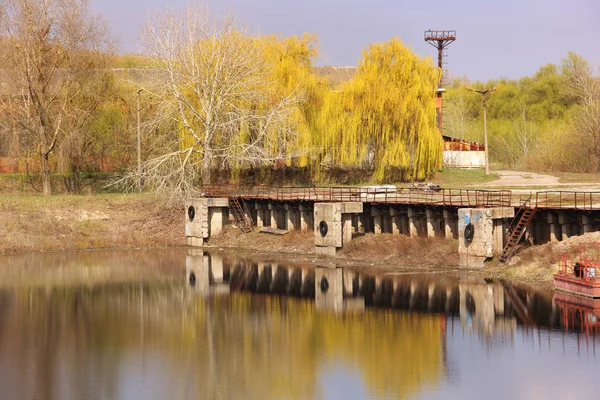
(63, 222)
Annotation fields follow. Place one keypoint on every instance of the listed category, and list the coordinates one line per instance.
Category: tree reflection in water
(228, 337)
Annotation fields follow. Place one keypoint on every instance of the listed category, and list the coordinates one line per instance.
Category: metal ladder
(518, 306)
(241, 218)
(516, 230)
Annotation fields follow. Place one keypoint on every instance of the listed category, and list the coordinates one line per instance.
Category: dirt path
(532, 179)
(517, 178)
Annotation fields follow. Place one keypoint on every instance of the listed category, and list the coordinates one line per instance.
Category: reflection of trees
(83, 343)
(92, 267)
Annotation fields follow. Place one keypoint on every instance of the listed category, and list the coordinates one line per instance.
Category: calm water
(128, 325)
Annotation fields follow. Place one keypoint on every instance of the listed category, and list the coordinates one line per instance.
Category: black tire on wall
(469, 232)
(324, 285)
(191, 211)
(323, 228)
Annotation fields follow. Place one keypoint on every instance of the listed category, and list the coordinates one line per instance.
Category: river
(187, 324)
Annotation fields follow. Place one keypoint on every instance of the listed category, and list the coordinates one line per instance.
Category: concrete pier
(333, 226)
(411, 213)
(331, 294)
(450, 224)
(564, 221)
(482, 244)
(292, 217)
(413, 222)
(377, 216)
(204, 218)
(260, 214)
(305, 217)
(554, 226)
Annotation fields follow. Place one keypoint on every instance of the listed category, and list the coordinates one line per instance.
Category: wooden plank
(273, 231)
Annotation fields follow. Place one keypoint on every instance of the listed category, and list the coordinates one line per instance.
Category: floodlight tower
(440, 40)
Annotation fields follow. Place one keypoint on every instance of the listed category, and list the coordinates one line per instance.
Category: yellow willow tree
(384, 118)
(223, 94)
(292, 59)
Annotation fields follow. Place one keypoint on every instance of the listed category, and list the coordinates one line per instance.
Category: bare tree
(584, 85)
(216, 84)
(51, 45)
(456, 114)
(525, 133)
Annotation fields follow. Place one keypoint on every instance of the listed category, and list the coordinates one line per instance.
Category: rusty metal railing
(381, 194)
(560, 199)
(574, 200)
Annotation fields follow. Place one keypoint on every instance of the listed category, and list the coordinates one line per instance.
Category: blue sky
(495, 38)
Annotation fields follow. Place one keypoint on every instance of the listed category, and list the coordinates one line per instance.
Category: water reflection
(487, 306)
(256, 329)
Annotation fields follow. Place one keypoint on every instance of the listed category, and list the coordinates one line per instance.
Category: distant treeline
(217, 103)
(547, 122)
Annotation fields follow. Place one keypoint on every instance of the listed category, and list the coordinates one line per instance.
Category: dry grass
(540, 263)
(301, 243)
(574, 177)
(388, 251)
(66, 222)
(399, 250)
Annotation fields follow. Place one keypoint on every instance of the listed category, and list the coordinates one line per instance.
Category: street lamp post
(483, 94)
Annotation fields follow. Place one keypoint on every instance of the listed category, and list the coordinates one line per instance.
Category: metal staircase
(518, 306)
(516, 230)
(242, 220)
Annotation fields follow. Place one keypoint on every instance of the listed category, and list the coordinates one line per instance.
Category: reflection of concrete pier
(486, 306)
(482, 307)
(334, 290)
(205, 273)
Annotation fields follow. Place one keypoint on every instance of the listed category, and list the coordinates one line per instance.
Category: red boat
(581, 278)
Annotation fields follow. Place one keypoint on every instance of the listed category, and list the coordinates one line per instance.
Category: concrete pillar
(396, 221)
(305, 217)
(587, 222)
(404, 230)
(248, 211)
(386, 223)
(215, 216)
(346, 228)
(348, 282)
(360, 223)
(216, 267)
(499, 299)
(411, 298)
(355, 219)
(329, 289)
(483, 244)
(336, 225)
(448, 298)
(563, 220)
(260, 215)
(430, 293)
(450, 224)
(395, 225)
(377, 220)
(413, 222)
(277, 216)
(555, 232)
(430, 214)
(498, 237)
(291, 217)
